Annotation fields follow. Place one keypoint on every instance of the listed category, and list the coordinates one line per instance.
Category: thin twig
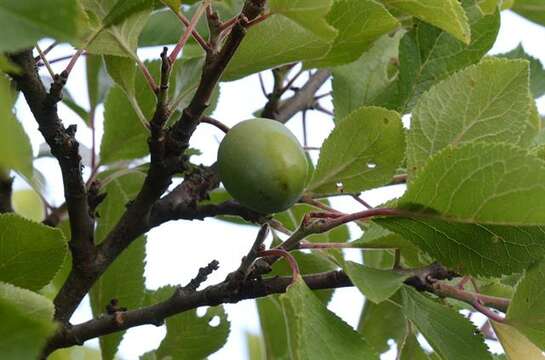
(46, 63)
(149, 79)
(361, 201)
(304, 121)
(188, 31)
(317, 106)
(203, 43)
(216, 123)
(262, 85)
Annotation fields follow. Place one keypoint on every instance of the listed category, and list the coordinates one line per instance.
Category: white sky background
(176, 250)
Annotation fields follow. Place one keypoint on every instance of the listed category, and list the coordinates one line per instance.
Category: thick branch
(64, 147)
(224, 292)
(211, 296)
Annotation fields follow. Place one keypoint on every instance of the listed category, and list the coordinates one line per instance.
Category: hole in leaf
(201, 311)
(340, 186)
(215, 321)
(371, 165)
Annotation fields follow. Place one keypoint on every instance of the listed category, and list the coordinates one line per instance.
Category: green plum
(262, 165)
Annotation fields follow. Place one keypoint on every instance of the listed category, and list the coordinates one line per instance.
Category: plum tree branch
(167, 148)
(64, 147)
(230, 291)
(303, 98)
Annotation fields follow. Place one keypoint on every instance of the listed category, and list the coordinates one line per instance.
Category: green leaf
(124, 279)
(377, 237)
(26, 322)
(120, 39)
(445, 14)
(122, 71)
(69, 101)
(475, 249)
(26, 22)
(7, 66)
(527, 309)
(537, 73)
(489, 6)
(15, 148)
(359, 23)
(125, 8)
(498, 184)
(164, 27)
(192, 337)
(364, 81)
(316, 333)
(428, 55)
(450, 334)
(125, 138)
(465, 211)
(98, 81)
(381, 322)
(173, 4)
(274, 42)
(516, 345)
(273, 327)
(484, 102)
(28, 204)
(361, 153)
(25, 261)
(124, 135)
(376, 285)
(254, 347)
(410, 349)
(533, 10)
(308, 13)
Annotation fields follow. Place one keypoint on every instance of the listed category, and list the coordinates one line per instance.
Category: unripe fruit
(262, 165)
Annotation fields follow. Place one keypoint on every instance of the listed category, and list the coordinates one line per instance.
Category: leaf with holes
(190, 336)
(363, 152)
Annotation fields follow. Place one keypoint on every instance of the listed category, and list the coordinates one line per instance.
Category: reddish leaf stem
(188, 31)
(286, 255)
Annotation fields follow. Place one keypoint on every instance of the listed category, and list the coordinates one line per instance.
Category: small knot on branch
(202, 276)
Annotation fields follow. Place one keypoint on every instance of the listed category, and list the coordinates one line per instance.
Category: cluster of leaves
(473, 159)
